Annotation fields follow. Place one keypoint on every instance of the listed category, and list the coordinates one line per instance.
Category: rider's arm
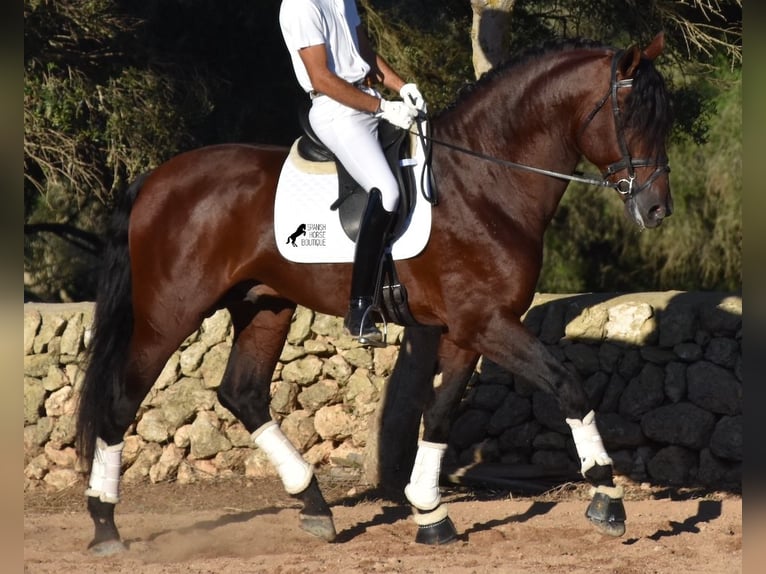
(381, 70)
(325, 81)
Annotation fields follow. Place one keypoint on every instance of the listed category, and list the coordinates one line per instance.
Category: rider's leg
(352, 136)
(370, 245)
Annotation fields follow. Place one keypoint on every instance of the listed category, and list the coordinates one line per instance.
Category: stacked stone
(663, 371)
(324, 391)
(54, 336)
(664, 376)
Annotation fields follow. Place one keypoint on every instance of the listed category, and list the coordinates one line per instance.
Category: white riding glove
(412, 97)
(397, 113)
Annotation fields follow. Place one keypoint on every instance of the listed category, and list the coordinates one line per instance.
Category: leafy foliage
(703, 247)
(94, 117)
(427, 42)
(113, 87)
(696, 30)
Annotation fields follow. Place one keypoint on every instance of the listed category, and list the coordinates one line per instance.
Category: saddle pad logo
(309, 235)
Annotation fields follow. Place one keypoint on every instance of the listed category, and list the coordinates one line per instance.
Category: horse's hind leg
(145, 361)
(260, 329)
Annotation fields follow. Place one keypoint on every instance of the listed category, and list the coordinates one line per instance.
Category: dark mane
(531, 53)
(647, 108)
(535, 52)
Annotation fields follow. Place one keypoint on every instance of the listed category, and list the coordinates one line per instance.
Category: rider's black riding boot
(370, 245)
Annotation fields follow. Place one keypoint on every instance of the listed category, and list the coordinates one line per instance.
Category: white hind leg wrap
(423, 489)
(587, 439)
(105, 472)
(295, 472)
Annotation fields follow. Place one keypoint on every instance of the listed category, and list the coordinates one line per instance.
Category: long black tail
(111, 331)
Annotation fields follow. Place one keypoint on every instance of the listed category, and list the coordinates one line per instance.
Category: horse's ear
(629, 62)
(655, 48)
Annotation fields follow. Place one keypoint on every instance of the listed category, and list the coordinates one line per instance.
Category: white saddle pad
(307, 231)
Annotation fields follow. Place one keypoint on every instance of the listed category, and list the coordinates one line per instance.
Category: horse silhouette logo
(301, 230)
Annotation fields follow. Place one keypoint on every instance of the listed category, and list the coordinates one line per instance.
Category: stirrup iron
(374, 342)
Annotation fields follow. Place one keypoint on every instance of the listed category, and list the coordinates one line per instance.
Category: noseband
(626, 186)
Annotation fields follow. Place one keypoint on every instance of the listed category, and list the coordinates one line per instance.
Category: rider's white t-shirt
(333, 23)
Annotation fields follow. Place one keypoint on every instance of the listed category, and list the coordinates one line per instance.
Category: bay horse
(196, 234)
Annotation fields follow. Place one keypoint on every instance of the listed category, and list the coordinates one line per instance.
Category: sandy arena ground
(245, 526)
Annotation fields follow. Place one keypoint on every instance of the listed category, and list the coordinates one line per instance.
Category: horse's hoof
(607, 514)
(107, 548)
(615, 529)
(442, 532)
(320, 526)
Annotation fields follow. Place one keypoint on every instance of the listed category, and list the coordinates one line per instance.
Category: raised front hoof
(442, 532)
(320, 526)
(607, 514)
(107, 547)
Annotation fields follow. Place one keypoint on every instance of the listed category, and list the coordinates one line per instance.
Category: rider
(335, 64)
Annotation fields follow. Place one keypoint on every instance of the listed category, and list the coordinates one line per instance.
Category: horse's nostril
(657, 213)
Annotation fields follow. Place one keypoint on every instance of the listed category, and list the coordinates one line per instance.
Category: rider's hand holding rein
(398, 113)
(413, 98)
(403, 113)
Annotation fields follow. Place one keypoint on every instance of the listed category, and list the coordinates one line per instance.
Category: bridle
(626, 187)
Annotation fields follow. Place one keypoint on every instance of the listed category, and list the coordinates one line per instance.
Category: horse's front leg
(606, 509)
(422, 491)
(510, 345)
(259, 335)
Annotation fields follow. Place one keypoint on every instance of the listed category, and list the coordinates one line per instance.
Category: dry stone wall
(663, 369)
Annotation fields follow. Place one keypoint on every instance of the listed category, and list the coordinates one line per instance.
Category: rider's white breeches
(353, 137)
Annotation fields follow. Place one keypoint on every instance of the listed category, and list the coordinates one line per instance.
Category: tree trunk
(491, 19)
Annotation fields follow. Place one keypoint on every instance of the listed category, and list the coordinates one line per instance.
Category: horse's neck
(526, 115)
(521, 105)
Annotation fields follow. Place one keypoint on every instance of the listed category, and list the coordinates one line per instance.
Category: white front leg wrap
(295, 472)
(105, 472)
(587, 439)
(423, 489)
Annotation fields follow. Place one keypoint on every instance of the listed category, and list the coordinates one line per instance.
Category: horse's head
(624, 134)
